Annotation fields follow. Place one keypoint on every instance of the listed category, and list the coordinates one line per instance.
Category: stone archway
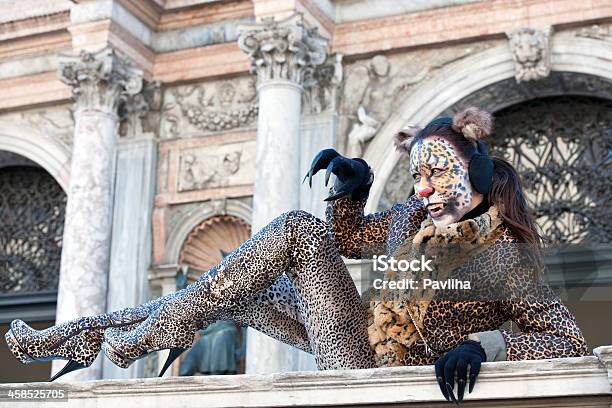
(189, 220)
(48, 153)
(455, 82)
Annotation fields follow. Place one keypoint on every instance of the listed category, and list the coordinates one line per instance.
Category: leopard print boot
(78, 341)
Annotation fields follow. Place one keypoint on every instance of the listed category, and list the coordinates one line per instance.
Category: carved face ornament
(528, 50)
(441, 180)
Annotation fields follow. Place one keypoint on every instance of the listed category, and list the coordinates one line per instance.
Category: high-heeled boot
(296, 240)
(79, 341)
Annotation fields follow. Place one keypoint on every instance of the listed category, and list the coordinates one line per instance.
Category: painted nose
(426, 192)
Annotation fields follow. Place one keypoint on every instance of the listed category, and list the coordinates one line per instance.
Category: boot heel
(71, 366)
(174, 354)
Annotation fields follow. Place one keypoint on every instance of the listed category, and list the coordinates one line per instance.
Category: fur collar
(479, 230)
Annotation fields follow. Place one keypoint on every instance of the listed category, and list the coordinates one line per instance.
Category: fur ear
(474, 123)
(404, 138)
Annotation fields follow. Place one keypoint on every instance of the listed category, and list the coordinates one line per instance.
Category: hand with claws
(468, 353)
(353, 175)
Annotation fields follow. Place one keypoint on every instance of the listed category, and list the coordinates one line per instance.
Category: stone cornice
(32, 90)
(34, 25)
(283, 50)
(500, 384)
(461, 22)
(100, 81)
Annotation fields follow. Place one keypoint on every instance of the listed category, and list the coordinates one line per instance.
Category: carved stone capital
(100, 81)
(282, 50)
(322, 85)
(531, 53)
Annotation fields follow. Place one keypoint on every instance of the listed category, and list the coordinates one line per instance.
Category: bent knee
(305, 222)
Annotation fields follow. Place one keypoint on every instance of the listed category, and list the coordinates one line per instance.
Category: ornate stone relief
(105, 82)
(191, 110)
(596, 32)
(101, 80)
(282, 50)
(322, 85)
(140, 113)
(373, 87)
(216, 166)
(531, 53)
(205, 245)
(54, 123)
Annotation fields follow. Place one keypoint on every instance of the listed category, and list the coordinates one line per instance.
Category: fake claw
(320, 162)
(449, 389)
(460, 389)
(328, 171)
(443, 387)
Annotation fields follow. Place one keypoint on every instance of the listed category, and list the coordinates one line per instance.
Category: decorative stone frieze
(322, 86)
(194, 110)
(596, 32)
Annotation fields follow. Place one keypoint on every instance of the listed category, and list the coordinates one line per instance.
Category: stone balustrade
(582, 381)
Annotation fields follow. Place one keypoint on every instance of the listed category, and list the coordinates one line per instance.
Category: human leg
(295, 243)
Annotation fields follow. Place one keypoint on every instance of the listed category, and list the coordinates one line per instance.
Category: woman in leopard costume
(290, 282)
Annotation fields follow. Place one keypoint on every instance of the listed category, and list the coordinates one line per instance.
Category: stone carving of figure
(373, 90)
(531, 53)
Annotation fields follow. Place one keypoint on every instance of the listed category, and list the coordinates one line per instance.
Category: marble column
(282, 54)
(100, 82)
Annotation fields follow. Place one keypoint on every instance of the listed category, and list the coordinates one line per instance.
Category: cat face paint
(441, 180)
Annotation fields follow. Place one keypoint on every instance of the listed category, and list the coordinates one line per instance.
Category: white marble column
(100, 82)
(282, 53)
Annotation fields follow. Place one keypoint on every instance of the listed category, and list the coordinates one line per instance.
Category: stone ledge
(501, 383)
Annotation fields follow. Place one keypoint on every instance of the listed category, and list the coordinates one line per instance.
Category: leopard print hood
(396, 317)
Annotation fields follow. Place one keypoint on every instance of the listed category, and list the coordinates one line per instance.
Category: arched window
(562, 148)
(32, 207)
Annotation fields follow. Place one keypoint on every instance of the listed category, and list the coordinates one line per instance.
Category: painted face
(442, 181)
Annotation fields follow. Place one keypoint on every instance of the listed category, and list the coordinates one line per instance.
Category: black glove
(353, 175)
(470, 353)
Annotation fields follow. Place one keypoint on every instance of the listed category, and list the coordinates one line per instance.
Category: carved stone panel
(601, 32)
(55, 123)
(216, 166)
(205, 108)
